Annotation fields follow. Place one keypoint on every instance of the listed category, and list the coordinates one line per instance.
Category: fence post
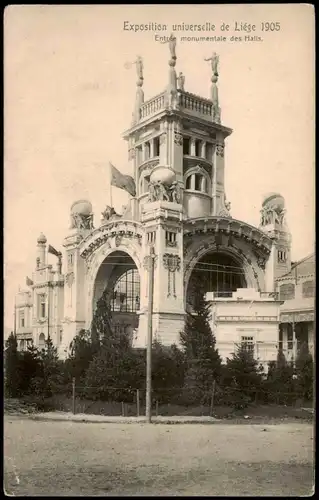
(156, 408)
(212, 399)
(73, 395)
(123, 414)
(137, 402)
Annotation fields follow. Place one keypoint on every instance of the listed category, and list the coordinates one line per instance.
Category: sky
(68, 98)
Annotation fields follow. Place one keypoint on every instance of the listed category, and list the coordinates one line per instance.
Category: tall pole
(15, 317)
(149, 336)
(48, 309)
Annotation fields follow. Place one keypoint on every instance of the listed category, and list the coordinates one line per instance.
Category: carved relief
(163, 139)
(172, 264)
(220, 150)
(261, 263)
(178, 139)
(131, 154)
(69, 279)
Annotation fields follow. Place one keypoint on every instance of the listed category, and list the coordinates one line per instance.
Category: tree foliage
(199, 345)
(304, 373)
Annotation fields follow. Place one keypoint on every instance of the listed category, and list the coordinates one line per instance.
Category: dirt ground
(81, 459)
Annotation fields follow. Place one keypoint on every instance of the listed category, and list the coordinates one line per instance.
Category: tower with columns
(178, 206)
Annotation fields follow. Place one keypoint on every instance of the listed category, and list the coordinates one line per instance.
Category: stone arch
(101, 256)
(251, 276)
(41, 341)
(205, 184)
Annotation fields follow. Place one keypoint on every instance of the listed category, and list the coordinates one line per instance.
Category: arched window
(196, 182)
(126, 293)
(308, 289)
(41, 341)
(287, 292)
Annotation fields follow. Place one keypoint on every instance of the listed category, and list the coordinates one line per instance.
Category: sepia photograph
(159, 250)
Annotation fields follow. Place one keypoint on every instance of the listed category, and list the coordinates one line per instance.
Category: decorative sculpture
(181, 81)
(158, 191)
(172, 45)
(175, 192)
(139, 67)
(108, 213)
(81, 221)
(171, 262)
(214, 63)
(271, 215)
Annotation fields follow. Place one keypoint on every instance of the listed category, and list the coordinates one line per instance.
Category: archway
(119, 275)
(219, 272)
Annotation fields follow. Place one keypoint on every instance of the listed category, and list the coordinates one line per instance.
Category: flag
(52, 250)
(122, 181)
(28, 281)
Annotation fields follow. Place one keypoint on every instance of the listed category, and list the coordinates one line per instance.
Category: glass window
(156, 146)
(21, 318)
(198, 144)
(41, 306)
(41, 341)
(189, 182)
(287, 292)
(308, 289)
(248, 343)
(186, 145)
(126, 295)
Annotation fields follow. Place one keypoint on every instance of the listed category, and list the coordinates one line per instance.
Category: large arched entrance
(119, 275)
(219, 272)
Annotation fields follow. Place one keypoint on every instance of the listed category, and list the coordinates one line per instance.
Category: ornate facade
(176, 150)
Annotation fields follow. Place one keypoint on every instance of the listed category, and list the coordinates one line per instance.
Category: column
(193, 182)
(203, 149)
(152, 148)
(192, 144)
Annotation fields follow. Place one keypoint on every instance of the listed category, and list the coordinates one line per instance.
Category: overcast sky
(69, 97)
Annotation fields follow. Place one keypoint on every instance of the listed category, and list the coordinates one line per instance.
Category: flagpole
(110, 180)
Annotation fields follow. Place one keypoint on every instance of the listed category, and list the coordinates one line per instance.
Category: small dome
(274, 200)
(42, 239)
(82, 207)
(163, 174)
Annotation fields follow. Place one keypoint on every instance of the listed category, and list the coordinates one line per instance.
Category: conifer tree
(242, 377)
(11, 366)
(199, 345)
(305, 373)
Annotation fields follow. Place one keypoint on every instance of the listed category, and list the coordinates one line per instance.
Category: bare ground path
(73, 458)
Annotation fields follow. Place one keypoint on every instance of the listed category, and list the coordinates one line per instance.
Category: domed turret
(81, 207)
(42, 239)
(41, 250)
(274, 201)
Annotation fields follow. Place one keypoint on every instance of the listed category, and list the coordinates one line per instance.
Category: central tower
(177, 144)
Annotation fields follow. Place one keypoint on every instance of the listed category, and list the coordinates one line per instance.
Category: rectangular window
(21, 318)
(198, 144)
(248, 343)
(156, 146)
(290, 337)
(151, 237)
(170, 238)
(186, 146)
(41, 306)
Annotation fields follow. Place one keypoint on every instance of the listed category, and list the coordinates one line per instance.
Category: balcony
(152, 106)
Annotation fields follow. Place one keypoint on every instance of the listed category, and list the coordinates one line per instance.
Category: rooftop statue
(172, 45)
(214, 62)
(181, 81)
